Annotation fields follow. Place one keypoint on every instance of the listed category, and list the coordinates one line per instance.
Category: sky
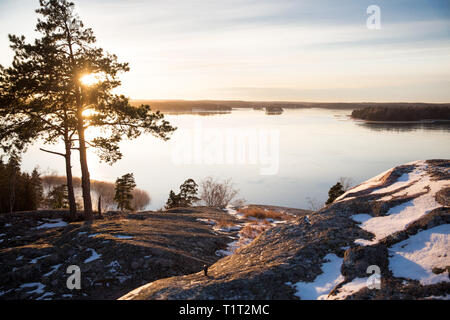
(292, 50)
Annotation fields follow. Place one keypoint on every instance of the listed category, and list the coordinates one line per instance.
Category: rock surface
(115, 255)
(397, 222)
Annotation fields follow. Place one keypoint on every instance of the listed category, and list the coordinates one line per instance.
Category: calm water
(292, 156)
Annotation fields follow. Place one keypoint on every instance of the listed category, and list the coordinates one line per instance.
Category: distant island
(226, 106)
(404, 113)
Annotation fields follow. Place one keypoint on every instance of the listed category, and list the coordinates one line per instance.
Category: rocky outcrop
(115, 254)
(396, 223)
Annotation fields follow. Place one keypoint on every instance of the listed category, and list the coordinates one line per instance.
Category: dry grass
(252, 230)
(223, 223)
(260, 213)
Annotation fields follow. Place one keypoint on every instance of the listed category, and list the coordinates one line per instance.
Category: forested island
(404, 113)
(376, 111)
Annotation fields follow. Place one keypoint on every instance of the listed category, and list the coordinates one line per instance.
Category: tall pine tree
(46, 87)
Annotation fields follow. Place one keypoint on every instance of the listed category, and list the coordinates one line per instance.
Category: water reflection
(405, 127)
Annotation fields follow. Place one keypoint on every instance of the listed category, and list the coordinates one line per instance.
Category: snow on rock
(53, 223)
(232, 247)
(373, 182)
(54, 268)
(234, 212)
(39, 287)
(119, 236)
(324, 283)
(115, 266)
(207, 221)
(94, 256)
(46, 296)
(416, 257)
(227, 228)
(93, 235)
(35, 260)
(398, 217)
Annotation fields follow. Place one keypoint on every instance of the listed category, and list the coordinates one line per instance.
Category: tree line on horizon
(43, 97)
(403, 113)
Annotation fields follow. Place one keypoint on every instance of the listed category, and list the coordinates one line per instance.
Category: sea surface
(289, 159)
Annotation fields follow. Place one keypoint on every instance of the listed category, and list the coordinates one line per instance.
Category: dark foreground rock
(115, 255)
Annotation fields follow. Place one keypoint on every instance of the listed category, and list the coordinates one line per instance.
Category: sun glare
(88, 113)
(90, 79)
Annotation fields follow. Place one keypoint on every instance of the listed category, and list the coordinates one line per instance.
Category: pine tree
(186, 197)
(37, 191)
(43, 95)
(188, 193)
(173, 201)
(335, 191)
(124, 187)
(58, 198)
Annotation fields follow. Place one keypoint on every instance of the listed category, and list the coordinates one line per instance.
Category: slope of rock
(396, 226)
(115, 254)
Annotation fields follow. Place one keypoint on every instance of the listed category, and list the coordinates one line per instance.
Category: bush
(220, 194)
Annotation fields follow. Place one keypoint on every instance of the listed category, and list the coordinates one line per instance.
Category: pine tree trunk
(70, 191)
(85, 179)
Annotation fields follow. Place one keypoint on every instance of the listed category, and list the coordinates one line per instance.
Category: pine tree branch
(53, 152)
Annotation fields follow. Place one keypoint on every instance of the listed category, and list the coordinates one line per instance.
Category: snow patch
(415, 257)
(54, 268)
(207, 221)
(35, 260)
(94, 256)
(53, 223)
(324, 283)
(399, 217)
(45, 296)
(39, 287)
(119, 236)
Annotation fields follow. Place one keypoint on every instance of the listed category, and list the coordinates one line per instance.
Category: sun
(90, 79)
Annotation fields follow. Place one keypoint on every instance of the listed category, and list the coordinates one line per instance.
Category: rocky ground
(387, 238)
(115, 255)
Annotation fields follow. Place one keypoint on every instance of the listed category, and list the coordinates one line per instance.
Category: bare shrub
(141, 199)
(52, 180)
(346, 183)
(313, 204)
(215, 193)
(105, 190)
